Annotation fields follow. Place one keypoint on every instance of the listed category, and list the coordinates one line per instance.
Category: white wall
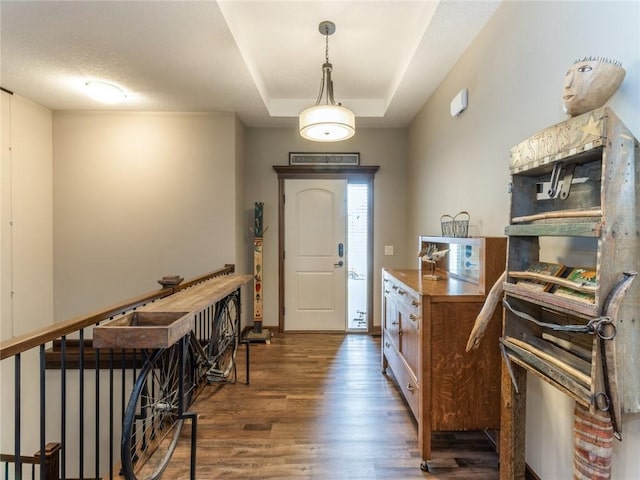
(514, 72)
(26, 263)
(138, 196)
(241, 238)
(27, 260)
(5, 217)
(266, 147)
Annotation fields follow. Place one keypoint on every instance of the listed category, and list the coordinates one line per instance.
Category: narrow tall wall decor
(258, 232)
(258, 333)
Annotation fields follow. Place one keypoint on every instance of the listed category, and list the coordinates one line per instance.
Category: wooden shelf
(564, 229)
(549, 373)
(549, 300)
(570, 180)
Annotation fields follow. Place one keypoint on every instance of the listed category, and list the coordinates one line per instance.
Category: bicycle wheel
(224, 344)
(151, 426)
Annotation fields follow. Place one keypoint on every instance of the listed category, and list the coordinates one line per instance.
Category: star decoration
(591, 128)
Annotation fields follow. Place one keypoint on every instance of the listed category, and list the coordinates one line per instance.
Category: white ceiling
(260, 59)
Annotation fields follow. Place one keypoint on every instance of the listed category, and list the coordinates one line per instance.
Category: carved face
(589, 84)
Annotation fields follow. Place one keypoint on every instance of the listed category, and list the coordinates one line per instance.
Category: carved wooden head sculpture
(589, 83)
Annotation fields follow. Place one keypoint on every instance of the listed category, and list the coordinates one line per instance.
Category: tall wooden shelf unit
(578, 178)
(425, 328)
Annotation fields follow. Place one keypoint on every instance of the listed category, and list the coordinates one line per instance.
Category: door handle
(338, 265)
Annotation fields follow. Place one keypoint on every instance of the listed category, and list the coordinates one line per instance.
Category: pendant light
(328, 121)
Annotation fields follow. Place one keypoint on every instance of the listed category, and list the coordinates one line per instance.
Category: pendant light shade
(328, 121)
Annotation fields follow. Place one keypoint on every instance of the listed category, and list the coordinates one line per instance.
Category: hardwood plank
(319, 407)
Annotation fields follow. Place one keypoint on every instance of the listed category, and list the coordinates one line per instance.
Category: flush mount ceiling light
(105, 92)
(328, 121)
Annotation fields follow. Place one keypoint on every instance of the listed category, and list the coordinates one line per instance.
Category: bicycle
(169, 382)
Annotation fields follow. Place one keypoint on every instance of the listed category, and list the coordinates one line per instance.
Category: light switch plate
(388, 249)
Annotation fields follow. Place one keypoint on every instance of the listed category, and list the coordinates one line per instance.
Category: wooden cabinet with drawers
(425, 328)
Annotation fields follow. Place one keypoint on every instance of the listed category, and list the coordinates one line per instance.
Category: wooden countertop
(200, 296)
(447, 289)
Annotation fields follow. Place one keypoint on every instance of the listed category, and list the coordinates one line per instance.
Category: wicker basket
(454, 226)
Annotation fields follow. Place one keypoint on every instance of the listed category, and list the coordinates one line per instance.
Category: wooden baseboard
(529, 474)
(494, 437)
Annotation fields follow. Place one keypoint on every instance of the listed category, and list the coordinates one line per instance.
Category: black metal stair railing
(67, 398)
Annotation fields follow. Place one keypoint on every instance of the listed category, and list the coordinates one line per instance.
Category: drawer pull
(413, 317)
(395, 322)
(387, 344)
(414, 303)
(411, 388)
(402, 292)
(386, 291)
(395, 287)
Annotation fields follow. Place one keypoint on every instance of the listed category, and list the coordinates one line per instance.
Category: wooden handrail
(51, 460)
(228, 268)
(20, 344)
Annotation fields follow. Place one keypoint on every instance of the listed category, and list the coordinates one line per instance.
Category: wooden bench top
(200, 296)
(164, 322)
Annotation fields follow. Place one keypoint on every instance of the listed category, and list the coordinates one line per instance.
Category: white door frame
(360, 174)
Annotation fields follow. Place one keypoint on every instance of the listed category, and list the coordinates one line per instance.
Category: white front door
(315, 270)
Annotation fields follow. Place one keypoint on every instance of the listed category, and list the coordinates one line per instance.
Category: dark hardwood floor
(319, 407)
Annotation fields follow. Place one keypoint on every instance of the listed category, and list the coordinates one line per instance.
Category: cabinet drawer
(395, 289)
(404, 297)
(413, 307)
(406, 381)
(391, 288)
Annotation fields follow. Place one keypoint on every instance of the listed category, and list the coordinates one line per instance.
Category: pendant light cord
(326, 84)
(326, 44)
